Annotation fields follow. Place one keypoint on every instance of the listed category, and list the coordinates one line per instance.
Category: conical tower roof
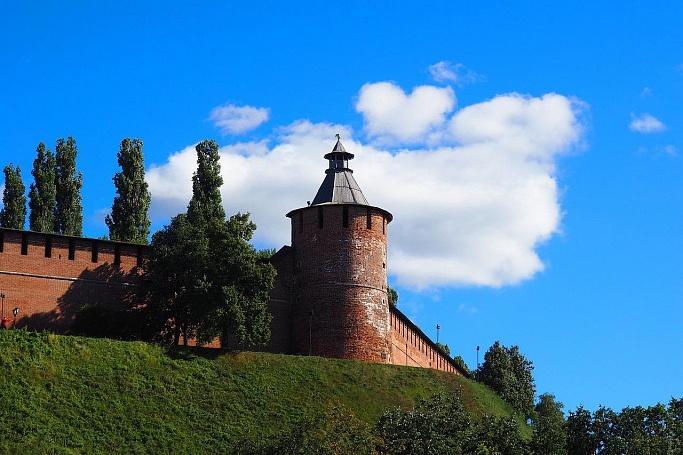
(339, 186)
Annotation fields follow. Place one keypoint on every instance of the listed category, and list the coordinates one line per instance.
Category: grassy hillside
(64, 394)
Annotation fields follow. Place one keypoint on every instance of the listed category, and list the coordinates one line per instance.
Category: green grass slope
(61, 394)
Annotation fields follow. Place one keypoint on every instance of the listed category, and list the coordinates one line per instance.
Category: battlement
(49, 277)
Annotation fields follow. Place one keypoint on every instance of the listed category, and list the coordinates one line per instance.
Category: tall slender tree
(13, 213)
(69, 210)
(42, 194)
(206, 204)
(129, 219)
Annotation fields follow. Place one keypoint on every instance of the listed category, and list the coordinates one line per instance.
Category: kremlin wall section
(49, 277)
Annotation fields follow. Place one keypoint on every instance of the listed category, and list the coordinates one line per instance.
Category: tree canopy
(13, 213)
(129, 219)
(204, 279)
(68, 218)
(42, 194)
(508, 373)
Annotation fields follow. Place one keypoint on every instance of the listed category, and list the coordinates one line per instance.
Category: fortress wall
(49, 277)
(411, 347)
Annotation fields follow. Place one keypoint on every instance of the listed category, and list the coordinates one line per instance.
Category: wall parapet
(416, 348)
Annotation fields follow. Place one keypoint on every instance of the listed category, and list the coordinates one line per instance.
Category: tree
(42, 194)
(13, 213)
(129, 219)
(204, 279)
(68, 218)
(206, 204)
(508, 373)
(444, 348)
(393, 296)
(548, 425)
(581, 439)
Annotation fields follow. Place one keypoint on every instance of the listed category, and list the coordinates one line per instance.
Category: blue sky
(531, 154)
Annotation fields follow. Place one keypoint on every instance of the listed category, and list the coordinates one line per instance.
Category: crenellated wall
(49, 277)
(411, 347)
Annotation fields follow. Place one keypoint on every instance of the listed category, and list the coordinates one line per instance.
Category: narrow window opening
(320, 217)
(48, 246)
(369, 218)
(345, 216)
(138, 262)
(301, 221)
(2, 241)
(72, 250)
(117, 254)
(24, 244)
(94, 254)
(384, 224)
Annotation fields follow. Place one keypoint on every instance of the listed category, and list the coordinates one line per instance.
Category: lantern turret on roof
(339, 186)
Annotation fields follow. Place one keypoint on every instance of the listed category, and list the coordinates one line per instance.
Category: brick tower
(340, 306)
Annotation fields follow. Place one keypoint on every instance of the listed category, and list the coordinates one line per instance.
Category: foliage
(67, 394)
(441, 425)
(68, 219)
(13, 213)
(129, 220)
(444, 348)
(43, 193)
(204, 279)
(548, 425)
(393, 296)
(632, 431)
(461, 363)
(508, 373)
(206, 204)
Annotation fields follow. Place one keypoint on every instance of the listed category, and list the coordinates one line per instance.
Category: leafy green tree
(393, 296)
(206, 204)
(461, 363)
(581, 439)
(444, 348)
(508, 373)
(129, 219)
(548, 425)
(69, 210)
(204, 279)
(13, 213)
(43, 193)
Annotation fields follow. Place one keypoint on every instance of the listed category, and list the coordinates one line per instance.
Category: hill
(63, 394)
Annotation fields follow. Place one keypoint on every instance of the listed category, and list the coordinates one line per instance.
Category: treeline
(55, 201)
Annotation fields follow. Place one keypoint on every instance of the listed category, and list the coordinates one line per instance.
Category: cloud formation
(646, 123)
(391, 116)
(457, 73)
(231, 119)
(470, 207)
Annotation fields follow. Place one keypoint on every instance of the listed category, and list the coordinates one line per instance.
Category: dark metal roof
(339, 186)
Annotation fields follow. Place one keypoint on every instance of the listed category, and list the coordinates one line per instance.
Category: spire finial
(337, 136)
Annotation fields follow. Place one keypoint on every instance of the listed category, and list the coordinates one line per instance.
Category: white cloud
(646, 93)
(231, 119)
(391, 116)
(466, 213)
(646, 123)
(456, 72)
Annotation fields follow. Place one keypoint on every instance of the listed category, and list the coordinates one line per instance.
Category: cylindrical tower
(340, 306)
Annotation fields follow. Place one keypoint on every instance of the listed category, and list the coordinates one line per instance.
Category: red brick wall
(411, 347)
(50, 290)
(340, 306)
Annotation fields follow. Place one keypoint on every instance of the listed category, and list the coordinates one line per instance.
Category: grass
(71, 395)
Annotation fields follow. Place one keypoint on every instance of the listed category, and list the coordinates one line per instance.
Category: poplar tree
(13, 213)
(68, 218)
(203, 276)
(42, 193)
(129, 219)
(206, 204)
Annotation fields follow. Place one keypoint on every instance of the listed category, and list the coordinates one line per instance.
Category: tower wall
(340, 306)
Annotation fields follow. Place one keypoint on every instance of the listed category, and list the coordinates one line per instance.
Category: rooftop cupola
(339, 186)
